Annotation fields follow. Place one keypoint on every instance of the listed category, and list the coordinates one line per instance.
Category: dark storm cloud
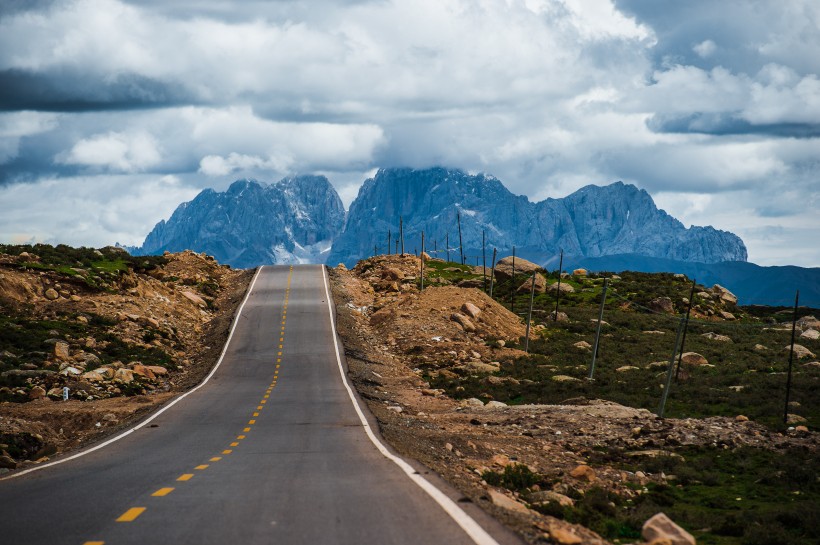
(728, 124)
(71, 91)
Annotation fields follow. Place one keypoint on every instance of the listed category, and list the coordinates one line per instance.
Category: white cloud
(705, 49)
(89, 211)
(115, 151)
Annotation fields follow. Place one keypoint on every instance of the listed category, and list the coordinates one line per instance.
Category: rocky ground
(123, 342)
(523, 462)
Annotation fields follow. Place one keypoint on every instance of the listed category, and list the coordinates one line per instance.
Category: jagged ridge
(250, 224)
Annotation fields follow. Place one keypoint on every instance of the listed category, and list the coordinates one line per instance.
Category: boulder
(493, 404)
(792, 419)
(584, 473)
(663, 305)
(724, 295)
(37, 392)
(799, 350)
(726, 315)
(661, 527)
(194, 298)
(717, 337)
(124, 375)
(540, 284)
(106, 373)
(142, 370)
(61, 351)
(470, 310)
(51, 294)
(564, 287)
(579, 272)
(561, 316)
(505, 502)
(625, 368)
(473, 402)
(504, 268)
(392, 274)
(811, 334)
(564, 536)
(463, 321)
(92, 376)
(693, 358)
(808, 322)
(564, 378)
(71, 371)
(547, 496)
(583, 345)
(157, 370)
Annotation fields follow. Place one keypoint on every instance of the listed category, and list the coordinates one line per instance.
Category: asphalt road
(270, 450)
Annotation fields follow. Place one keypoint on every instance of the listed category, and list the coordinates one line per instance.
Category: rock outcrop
(593, 221)
(292, 221)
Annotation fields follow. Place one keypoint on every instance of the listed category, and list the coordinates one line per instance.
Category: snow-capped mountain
(594, 221)
(292, 221)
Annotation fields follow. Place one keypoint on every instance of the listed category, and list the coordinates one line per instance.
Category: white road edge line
(467, 523)
(159, 412)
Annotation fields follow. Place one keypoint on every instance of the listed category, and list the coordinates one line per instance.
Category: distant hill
(751, 283)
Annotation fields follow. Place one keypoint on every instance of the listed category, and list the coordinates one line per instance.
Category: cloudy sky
(112, 112)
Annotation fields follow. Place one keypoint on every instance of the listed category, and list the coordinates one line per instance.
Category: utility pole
(492, 274)
(791, 359)
(484, 257)
(389, 236)
(421, 258)
(598, 331)
(460, 244)
(401, 233)
(558, 291)
(685, 328)
(448, 246)
(512, 293)
(529, 314)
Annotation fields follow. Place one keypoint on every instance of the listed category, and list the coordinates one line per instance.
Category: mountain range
(301, 219)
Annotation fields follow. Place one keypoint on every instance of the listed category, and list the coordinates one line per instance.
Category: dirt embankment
(394, 335)
(121, 350)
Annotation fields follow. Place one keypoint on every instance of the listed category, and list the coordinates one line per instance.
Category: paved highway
(271, 449)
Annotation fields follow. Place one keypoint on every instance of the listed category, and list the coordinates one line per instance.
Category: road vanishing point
(272, 448)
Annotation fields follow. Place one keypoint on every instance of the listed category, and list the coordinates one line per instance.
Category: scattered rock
(662, 304)
(724, 295)
(124, 375)
(504, 268)
(61, 351)
(800, 351)
(36, 393)
(584, 473)
(564, 287)
(470, 310)
(194, 298)
(717, 337)
(792, 419)
(506, 502)
(564, 536)
(693, 358)
(564, 378)
(547, 496)
(661, 527)
(540, 284)
(463, 321)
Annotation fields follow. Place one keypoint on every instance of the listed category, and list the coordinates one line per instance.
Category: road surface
(271, 449)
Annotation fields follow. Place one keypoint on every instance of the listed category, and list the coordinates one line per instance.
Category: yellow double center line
(134, 512)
